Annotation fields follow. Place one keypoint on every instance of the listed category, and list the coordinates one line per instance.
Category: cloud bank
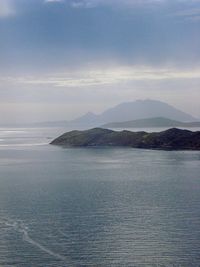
(91, 54)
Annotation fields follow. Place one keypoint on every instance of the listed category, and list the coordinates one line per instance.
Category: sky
(62, 58)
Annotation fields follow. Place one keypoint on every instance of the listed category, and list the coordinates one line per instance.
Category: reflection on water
(98, 207)
(10, 137)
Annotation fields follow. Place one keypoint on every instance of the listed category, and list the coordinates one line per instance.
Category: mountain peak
(139, 109)
(89, 117)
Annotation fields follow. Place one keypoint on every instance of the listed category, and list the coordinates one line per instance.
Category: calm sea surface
(96, 206)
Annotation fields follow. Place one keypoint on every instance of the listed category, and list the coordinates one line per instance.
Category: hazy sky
(62, 58)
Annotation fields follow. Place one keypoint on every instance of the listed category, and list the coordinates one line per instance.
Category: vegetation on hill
(172, 139)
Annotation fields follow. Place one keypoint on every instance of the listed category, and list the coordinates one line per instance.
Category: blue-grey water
(96, 206)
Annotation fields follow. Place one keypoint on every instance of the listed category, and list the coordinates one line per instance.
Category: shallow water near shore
(96, 206)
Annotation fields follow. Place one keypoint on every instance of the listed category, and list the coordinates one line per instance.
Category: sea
(96, 207)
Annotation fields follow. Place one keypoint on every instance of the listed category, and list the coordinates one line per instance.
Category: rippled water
(97, 207)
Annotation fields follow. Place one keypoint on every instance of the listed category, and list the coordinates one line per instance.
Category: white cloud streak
(94, 3)
(189, 14)
(100, 77)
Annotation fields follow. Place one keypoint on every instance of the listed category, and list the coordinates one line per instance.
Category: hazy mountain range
(129, 111)
(139, 109)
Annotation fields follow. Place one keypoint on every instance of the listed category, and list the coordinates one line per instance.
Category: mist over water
(96, 206)
(15, 137)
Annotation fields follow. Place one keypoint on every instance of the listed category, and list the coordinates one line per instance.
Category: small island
(171, 139)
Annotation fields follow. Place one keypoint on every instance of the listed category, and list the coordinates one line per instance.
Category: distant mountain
(86, 118)
(172, 139)
(124, 112)
(139, 109)
(151, 122)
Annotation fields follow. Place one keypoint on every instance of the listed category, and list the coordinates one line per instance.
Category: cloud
(84, 4)
(6, 8)
(56, 36)
(53, 1)
(192, 14)
(94, 3)
(103, 77)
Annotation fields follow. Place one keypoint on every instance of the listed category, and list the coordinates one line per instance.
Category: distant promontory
(172, 139)
(151, 122)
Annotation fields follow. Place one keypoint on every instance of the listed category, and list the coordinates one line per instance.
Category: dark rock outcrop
(172, 139)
